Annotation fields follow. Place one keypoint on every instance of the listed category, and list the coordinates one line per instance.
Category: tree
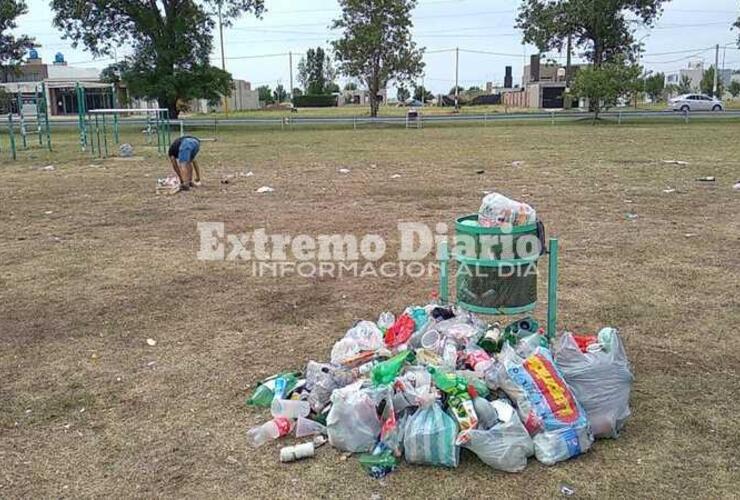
(670, 90)
(604, 85)
(402, 94)
(707, 83)
(422, 94)
(265, 94)
(12, 47)
(602, 29)
(376, 45)
(280, 94)
(458, 88)
(313, 71)
(684, 84)
(297, 92)
(734, 88)
(171, 42)
(654, 86)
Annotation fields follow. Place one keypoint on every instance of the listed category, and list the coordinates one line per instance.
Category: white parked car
(696, 102)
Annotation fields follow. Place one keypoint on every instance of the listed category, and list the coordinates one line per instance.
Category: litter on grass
(422, 385)
(265, 189)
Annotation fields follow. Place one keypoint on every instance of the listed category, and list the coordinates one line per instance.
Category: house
(361, 97)
(543, 85)
(242, 98)
(694, 72)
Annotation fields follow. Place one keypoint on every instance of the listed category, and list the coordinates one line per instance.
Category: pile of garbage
(435, 379)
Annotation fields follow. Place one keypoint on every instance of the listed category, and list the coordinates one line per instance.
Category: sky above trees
(255, 48)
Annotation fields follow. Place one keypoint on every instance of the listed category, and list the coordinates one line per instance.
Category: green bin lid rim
(461, 227)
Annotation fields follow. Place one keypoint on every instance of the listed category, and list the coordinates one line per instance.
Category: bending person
(182, 153)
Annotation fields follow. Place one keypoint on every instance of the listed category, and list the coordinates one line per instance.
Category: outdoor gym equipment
(95, 124)
(40, 120)
(499, 286)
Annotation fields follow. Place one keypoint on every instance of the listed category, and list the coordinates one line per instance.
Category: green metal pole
(46, 116)
(552, 289)
(11, 136)
(81, 113)
(444, 259)
(114, 105)
(105, 137)
(97, 135)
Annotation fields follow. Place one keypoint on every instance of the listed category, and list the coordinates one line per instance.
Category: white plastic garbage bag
(497, 210)
(600, 378)
(429, 437)
(505, 446)
(353, 424)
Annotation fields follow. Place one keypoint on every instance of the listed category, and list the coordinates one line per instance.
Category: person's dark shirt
(175, 146)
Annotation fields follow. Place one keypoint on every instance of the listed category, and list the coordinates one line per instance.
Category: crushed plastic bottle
(273, 429)
(386, 372)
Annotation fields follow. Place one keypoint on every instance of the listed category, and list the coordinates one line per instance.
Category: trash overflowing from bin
(435, 379)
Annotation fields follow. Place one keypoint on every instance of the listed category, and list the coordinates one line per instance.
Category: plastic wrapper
(353, 424)
(429, 437)
(497, 210)
(505, 446)
(364, 336)
(545, 404)
(601, 380)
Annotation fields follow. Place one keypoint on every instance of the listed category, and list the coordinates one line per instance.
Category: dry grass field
(93, 263)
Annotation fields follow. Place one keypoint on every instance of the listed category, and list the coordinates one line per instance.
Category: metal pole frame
(83, 118)
(444, 280)
(45, 104)
(11, 136)
(105, 137)
(38, 116)
(552, 289)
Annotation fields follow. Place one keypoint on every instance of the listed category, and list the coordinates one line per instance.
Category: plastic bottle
(449, 354)
(448, 382)
(275, 428)
(385, 321)
(386, 372)
(306, 427)
(265, 391)
(289, 408)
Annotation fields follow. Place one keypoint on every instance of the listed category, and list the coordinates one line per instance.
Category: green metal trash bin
(496, 272)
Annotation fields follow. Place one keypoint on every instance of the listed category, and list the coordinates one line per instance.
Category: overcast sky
(688, 30)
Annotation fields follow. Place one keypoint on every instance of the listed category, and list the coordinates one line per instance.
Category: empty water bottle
(275, 428)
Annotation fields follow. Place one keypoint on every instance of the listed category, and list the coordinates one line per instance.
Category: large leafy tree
(376, 46)
(602, 29)
(171, 41)
(12, 48)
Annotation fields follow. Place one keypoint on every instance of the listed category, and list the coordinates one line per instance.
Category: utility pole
(290, 62)
(567, 61)
(716, 70)
(457, 76)
(223, 57)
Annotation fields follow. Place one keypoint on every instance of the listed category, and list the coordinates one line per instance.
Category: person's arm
(197, 171)
(176, 168)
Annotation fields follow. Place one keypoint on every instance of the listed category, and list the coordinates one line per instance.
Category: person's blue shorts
(188, 150)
